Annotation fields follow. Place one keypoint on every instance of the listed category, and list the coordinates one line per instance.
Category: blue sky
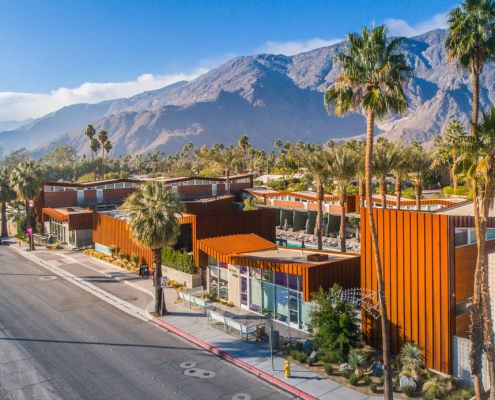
(55, 53)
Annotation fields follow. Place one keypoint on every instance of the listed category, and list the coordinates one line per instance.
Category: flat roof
(295, 256)
(465, 209)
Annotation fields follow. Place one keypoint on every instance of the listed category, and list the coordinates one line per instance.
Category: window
(461, 237)
(461, 308)
(268, 299)
(212, 261)
(268, 275)
(490, 234)
(255, 273)
(282, 304)
(255, 295)
(281, 279)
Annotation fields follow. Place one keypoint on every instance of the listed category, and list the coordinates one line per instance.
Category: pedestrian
(152, 276)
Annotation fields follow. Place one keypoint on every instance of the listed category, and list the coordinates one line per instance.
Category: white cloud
(296, 47)
(19, 106)
(399, 27)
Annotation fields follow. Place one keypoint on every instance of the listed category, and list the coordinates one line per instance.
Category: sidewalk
(191, 324)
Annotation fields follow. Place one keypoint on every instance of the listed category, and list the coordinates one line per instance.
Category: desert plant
(112, 248)
(328, 369)
(357, 362)
(311, 361)
(373, 387)
(408, 390)
(346, 373)
(134, 258)
(368, 380)
(121, 255)
(434, 388)
(299, 355)
(411, 357)
(396, 384)
(353, 379)
(468, 393)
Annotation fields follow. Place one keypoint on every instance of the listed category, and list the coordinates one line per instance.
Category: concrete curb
(263, 375)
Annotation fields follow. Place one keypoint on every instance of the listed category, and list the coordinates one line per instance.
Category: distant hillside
(273, 96)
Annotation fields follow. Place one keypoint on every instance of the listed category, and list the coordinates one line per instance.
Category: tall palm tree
(27, 181)
(372, 78)
(342, 164)
(470, 41)
(399, 172)
(6, 195)
(360, 150)
(226, 159)
(443, 156)
(107, 148)
(386, 157)
(278, 146)
(90, 134)
(243, 144)
(420, 162)
(477, 163)
(94, 146)
(454, 135)
(153, 221)
(316, 165)
(102, 138)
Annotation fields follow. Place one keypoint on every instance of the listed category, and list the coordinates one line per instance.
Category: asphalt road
(59, 342)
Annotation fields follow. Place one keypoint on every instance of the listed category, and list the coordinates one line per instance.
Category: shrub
(357, 361)
(134, 258)
(353, 379)
(346, 373)
(299, 355)
(373, 387)
(178, 260)
(336, 325)
(112, 249)
(396, 384)
(120, 255)
(328, 369)
(434, 388)
(311, 361)
(411, 357)
(382, 378)
(367, 379)
(408, 390)
(468, 393)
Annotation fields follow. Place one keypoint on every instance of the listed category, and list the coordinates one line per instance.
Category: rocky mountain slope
(273, 96)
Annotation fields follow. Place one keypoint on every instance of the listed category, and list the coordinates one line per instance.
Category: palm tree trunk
(157, 265)
(4, 232)
(28, 223)
(383, 192)
(319, 219)
(418, 189)
(93, 164)
(362, 192)
(343, 199)
(398, 192)
(476, 99)
(227, 181)
(103, 164)
(387, 385)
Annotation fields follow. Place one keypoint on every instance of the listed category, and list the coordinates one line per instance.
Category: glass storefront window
(255, 295)
(461, 237)
(244, 270)
(224, 285)
(214, 281)
(282, 304)
(292, 281)
(267, 275)
(223, 265)
(304, 313)
(268, 299)
(255, 273)
(281, 279)
(212, 261)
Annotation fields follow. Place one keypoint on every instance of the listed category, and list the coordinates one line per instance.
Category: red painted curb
(236, 361)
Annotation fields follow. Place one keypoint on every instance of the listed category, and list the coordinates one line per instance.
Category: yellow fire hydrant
(287, 369)
(19, 243)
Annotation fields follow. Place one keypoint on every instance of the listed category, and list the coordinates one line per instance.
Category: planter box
(187, 280)
(318, 257)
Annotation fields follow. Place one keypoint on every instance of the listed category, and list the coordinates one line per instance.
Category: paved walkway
(139, 292)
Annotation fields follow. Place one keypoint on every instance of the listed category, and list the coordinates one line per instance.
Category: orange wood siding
(415, 267)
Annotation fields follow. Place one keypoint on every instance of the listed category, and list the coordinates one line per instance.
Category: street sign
(164, 282)
(29, 231)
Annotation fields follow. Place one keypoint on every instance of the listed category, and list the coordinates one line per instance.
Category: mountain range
(267, 97)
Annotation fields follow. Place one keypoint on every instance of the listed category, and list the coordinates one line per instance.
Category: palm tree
(386, 157)
(420, 162)
(278, 145)
(27, 181)
(477, 162)
(342, 164)
(153, 222)
(470, 41)
(226, 159)
(243, 144)
(399, 172)
(107, 148)
(6, 195)
(372, 79)
(102, 138)
(90, 134)
(317, 167)
(443, 156)
(94, 146)
(454, 135)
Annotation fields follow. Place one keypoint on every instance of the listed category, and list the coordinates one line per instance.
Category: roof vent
(69, 209)
(317, 257)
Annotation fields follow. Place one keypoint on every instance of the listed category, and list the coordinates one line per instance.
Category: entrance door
(99, 196)
(293, 309)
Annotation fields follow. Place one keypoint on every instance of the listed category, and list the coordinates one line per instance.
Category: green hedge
(461, 191)
(178, 260)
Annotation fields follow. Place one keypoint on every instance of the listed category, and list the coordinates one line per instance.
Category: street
(59, 342)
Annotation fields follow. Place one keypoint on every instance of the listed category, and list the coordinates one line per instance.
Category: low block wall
(187, 280)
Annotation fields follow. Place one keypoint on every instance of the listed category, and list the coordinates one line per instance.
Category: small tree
(334, 322)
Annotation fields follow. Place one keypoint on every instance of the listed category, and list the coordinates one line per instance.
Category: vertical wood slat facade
(416, 272)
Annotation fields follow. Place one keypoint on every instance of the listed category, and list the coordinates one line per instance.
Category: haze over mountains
(266, 97)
